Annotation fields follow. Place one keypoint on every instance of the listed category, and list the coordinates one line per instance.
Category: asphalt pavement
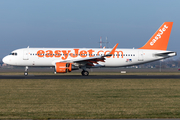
(90, 77)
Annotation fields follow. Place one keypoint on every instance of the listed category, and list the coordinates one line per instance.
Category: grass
(88, 99)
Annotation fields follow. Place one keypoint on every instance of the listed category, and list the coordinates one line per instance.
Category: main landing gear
(26, 71)
(85, 73)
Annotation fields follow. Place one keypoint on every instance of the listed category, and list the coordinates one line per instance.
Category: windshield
(15, 54)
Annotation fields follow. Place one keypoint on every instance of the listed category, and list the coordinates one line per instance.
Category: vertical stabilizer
(159, 41)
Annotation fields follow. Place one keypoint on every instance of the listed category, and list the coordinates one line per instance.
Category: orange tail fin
(159, 40)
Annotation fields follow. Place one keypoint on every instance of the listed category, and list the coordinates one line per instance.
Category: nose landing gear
(26, 71)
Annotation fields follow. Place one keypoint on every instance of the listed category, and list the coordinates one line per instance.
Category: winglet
(113, 50)
(159, 41)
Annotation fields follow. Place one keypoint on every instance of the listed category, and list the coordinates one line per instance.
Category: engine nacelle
(62, 67)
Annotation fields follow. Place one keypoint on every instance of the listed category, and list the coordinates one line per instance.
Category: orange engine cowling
(62, 67)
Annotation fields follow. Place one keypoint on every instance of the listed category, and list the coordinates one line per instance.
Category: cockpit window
(14, 54)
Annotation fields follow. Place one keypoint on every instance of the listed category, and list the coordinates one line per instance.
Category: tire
(25, 73)
(85, 73)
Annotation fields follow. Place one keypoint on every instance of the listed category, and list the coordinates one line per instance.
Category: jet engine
(62, 67)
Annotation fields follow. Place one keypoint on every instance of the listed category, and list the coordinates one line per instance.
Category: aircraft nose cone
(5, 60)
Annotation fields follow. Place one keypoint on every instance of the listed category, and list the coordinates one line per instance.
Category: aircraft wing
(88, 61)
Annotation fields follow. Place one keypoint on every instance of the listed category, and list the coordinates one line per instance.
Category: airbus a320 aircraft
(67, 59)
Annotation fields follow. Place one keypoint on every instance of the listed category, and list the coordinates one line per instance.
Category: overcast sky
(80, 23)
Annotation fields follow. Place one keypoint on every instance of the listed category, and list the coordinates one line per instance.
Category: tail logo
(158, 36)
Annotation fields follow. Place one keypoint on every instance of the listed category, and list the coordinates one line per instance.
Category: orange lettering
(99, 52)
(83, 53)
(108, 52)
(90, 53)
(118, 54)
(66, 54)
(75, 53)
(40, 53)
(57, 53)
(49, 53)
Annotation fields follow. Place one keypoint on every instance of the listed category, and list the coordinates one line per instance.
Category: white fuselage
(49, 56)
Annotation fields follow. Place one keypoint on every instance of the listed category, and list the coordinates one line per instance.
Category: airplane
(65, 60)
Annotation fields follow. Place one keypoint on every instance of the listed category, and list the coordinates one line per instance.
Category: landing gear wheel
(85, 73)
(25, 73)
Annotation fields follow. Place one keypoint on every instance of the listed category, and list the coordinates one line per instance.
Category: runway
(90, 77)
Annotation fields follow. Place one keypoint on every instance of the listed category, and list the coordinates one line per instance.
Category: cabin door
(25, 55)
(140, 56)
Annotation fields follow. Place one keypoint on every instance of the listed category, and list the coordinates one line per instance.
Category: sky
(80, 23)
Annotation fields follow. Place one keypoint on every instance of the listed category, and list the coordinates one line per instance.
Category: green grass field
(98, 98)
